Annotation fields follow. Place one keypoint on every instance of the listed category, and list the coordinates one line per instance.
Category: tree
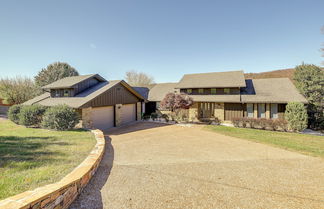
(296, 116)
(18, 90)
(309, 80)
(135, 78)
(54, 72)
(322, 49)
(173, 102)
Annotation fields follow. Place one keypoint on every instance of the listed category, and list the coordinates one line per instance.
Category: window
(57, 93)
(261, 110)
(249, 110)
(200, 91)
(226, 91)
(66, 93)
(213, 91)
(189, 91)
(274, 111)
(157, 105)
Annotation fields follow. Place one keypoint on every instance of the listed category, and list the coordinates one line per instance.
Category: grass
(306, 144)
(30, 158)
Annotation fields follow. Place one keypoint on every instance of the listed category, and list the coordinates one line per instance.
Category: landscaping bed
(31, 157)
(306, 144)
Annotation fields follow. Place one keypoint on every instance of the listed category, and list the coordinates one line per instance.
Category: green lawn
(306, 144)
(30, 158)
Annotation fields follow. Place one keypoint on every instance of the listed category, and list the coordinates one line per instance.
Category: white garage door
(128, 113)
(103, 117)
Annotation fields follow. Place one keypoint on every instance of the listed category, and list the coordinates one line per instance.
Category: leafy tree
(135, 78)
(18, 90)
(60, 117)
(309, 79)
(296, 116)
(54, 72)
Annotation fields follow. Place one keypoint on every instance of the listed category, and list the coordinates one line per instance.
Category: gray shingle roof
(158, 92)
(209, 80)
(69, 82)
(80, 99)
(275, 90)
(216, 98)
(144, 91)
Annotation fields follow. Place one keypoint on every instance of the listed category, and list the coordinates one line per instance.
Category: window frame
(261, 114)
(272, 110)
(66, 93)
(250, 106)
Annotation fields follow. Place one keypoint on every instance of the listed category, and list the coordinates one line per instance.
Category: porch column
(255, 110)
(267, 113)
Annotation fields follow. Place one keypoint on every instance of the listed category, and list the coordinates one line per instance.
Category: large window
(274, 111)
(66, 92)
(249, 110)
(261, 111)
(213, 91)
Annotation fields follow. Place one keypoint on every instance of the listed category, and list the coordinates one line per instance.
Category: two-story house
(225, 95)
(102, 104)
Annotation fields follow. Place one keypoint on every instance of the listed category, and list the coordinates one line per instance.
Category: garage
(128, 113)
(103, 117)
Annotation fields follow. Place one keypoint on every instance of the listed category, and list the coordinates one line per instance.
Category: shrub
(296, 116)
(166, 117)
(261, 123)
(154, 115)
(13, 113)
(60, 117)
(31, 115)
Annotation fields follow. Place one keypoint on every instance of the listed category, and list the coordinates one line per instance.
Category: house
(4, 107)
(227, 95)
(101, 104)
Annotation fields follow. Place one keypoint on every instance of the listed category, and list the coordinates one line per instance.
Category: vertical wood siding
(233, 110)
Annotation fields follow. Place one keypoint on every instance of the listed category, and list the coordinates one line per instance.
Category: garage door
(128, 113)
(103, 117)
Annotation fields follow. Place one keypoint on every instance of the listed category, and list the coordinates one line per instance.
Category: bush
(154, 115)
(31, 115)
(296, 116)
(261, 123)
(166, 117)
(13, 113)
(60, 117)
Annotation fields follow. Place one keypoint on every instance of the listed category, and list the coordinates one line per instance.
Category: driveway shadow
(90, 197)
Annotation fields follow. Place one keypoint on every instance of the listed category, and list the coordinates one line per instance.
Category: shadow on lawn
(91, 195)
(31, 150)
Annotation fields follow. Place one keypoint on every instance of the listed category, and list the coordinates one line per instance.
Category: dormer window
(66, 93)
(57, 93)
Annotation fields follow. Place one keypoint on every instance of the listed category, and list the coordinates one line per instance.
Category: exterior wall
(116, 95)
(233, 110)
(193, 112)
(85, 84)
(139, 111)
(267, 111)
(219, 111)
(255, 110)
(207, 91)
(86, 118)
(118, 116)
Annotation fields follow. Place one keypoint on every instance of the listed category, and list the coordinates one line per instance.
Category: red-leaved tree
(174, 101)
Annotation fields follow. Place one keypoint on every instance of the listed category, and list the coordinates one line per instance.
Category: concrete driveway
(150, 165)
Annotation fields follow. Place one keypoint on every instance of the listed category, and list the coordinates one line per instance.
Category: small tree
(54, 72)
(296, 116)
(135, 78)
(176, 103)
(18, 90)
(60, 117)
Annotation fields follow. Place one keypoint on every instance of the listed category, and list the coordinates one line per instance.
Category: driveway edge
(60, 194)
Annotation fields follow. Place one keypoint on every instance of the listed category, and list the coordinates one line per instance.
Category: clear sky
(165, 38)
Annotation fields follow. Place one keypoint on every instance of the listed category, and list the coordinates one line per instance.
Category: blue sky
(164, 38)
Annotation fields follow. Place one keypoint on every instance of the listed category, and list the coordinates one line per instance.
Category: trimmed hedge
(13, 113)
(261, 123)
(296, 115)
(31, 115)
(60, 117)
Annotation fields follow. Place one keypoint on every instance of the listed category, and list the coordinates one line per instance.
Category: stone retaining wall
(61, 194)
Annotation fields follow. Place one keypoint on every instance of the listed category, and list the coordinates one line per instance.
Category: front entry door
(206, 109)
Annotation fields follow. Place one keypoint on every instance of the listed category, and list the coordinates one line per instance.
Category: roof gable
(212, 80)
(70, 82)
